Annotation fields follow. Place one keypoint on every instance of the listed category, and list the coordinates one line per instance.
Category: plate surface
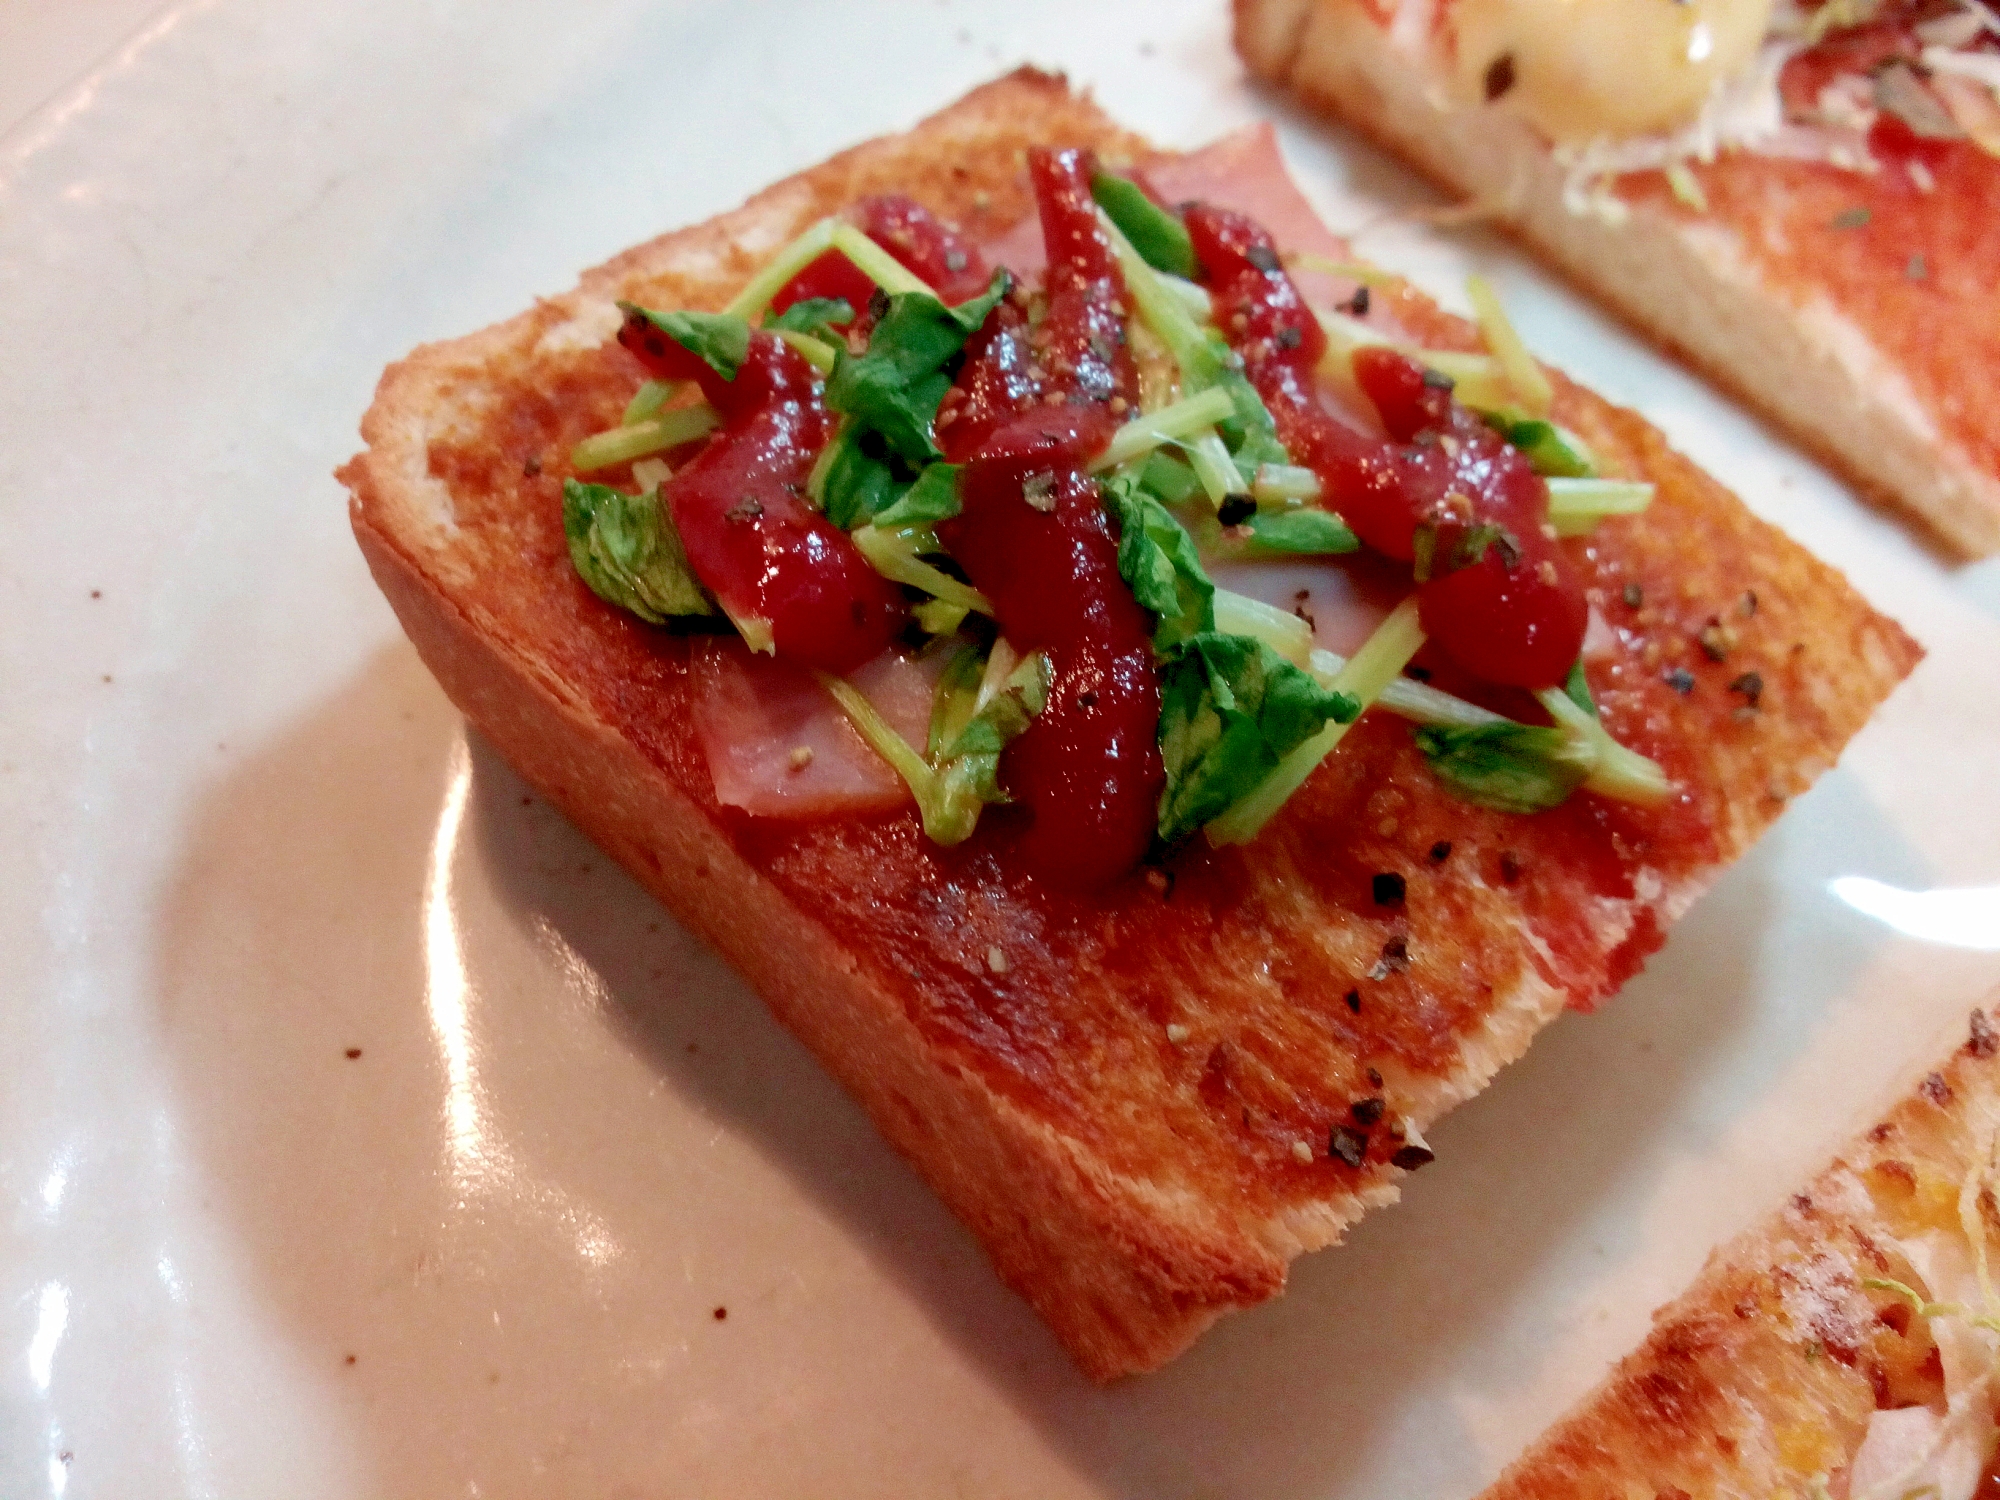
(364, 1133)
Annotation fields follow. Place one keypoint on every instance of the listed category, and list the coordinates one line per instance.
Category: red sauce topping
(738, 506)
(1029, 410)
(921, 243)
(1517, 614)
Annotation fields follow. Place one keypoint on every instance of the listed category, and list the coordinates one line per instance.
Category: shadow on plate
(516, 1226)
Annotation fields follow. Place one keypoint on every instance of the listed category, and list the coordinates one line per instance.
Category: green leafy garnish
(1516, 768)
(625, 547)
(1550, 450)
(1157, 558)
(932, 498)
(980, 708)
(1305, 531)
(814, 315)
(1169, 478)
(1231, 710)
(721, 339)
(1157, 235)
(857, 477)
(896, 386)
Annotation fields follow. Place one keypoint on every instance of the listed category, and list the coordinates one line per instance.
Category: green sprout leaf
(818, 316)
(1306, 531)
(722, 339)
(1230, 710)
(896, 386)
(1157, 558)
(1159, 237)
(625, 547)
(1516, 768)
(1549, 449)
(932, 498)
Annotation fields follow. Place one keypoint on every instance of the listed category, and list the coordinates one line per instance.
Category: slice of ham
(754, 714)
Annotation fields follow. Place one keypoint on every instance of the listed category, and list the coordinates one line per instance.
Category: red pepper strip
(1032, 536)
(750, 538)
(1515, 616)
(1080, 342)
(922, 243)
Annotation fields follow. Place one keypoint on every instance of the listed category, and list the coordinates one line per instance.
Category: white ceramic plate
(247, 838)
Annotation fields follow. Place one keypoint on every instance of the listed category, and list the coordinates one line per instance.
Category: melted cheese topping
(1584, 69)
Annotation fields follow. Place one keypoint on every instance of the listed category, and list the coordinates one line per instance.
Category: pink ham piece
(754, 713)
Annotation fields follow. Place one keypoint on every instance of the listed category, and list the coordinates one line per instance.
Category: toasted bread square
(1133, 1111)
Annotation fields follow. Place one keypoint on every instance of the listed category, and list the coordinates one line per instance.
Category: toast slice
(1801, 1361)
(1129, 1097)
(1860, 310)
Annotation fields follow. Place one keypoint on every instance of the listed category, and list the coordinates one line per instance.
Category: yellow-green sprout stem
(1529, 380)
(651, 396)
(652, 435)
(1619, 773)
(1170, 424)
(1577, 505)
(894, 554)
(877, 264)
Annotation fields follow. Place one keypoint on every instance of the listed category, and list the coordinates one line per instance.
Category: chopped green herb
(933, 497)
(1305, 531)
(1157, 235)
(818, 316)
(896, 386)
(721, 339)
(625, 547)
(1516, 768)
(1157, 558)
(1231, 710)
(1577, 689)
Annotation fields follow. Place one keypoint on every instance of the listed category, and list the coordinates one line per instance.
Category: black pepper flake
(1856, 217)
(746, 509)
(1264, 258)
(1395, 958)
(1510, 866)
(1634, 596)
(1086, 699)
(1374, 1078)
(721, 1313)
(1388, 889)
(533, 466)
(1750, 685)
(1440, 851)
(1421, 674)
(1437, 380)
(1409, 1158)
(1716, 639)
(1681, 680)
(1365, 1112)
(1353, 998)
(1290, 337)
(1935, 1089)
(878, 305)
(1499, 76)
(1357, 305)
(1983, 1042)
(354, 1052)
(1235, 510)
(1349, 1144)
(1747, 605)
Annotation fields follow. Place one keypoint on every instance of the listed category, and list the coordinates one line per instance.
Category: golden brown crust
(1117, 1114)
(1762, 1376)
(1746, 293)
